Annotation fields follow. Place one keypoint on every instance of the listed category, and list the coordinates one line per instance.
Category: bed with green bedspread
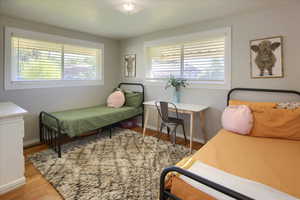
(79, 121)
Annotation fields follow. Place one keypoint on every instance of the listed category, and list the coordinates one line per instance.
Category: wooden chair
(171, 123)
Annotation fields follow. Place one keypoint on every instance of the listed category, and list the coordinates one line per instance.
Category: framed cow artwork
(130, 65)
(266, 57)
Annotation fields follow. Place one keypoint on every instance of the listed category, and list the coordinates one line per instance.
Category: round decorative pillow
(238, 119)
(116, 99)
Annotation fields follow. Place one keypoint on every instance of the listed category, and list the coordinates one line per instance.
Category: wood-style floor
(37, 187)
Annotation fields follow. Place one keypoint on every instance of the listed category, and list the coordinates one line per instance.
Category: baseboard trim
(151, 127)
(29, 143)
(12, 185)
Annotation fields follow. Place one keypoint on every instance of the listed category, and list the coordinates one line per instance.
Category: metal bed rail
(143, 91)
(165, 194)
(50, 135)
(260, 90)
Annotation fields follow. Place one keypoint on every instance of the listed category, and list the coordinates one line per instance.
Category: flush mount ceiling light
(129, 7)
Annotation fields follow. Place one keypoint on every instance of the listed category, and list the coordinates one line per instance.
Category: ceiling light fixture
(129, 7)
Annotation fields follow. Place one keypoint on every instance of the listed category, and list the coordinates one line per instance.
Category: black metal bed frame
(260, 90)
(166, 194)
(53, 136)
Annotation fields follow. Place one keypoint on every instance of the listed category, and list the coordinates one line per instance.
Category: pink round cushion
(116, 99)
(238, 119)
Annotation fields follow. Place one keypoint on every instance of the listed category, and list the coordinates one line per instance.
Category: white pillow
(116, 99)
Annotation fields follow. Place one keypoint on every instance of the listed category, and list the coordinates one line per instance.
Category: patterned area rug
(97, 167)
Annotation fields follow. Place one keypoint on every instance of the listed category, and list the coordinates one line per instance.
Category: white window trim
(226, 84)
(9, 84)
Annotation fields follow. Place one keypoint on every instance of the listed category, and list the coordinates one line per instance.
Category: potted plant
(176, 84)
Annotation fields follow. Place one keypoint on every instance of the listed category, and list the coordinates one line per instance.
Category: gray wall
(54, 99)
(282, 21)
(272, 22)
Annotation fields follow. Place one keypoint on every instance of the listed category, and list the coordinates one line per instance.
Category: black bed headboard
(135, 84)
(260, 90)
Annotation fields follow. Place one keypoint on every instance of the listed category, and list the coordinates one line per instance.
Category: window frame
(226, 84)
(10, 84)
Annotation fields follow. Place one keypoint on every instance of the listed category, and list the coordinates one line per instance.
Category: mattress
(79, 121)
(275, 163)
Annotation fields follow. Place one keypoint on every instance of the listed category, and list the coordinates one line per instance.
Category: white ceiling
(103, 17)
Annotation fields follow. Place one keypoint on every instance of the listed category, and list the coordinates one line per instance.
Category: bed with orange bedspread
(253, 165)
(273, 162)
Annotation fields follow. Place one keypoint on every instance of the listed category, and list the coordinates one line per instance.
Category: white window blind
(202, 60)
(166, 60)
(34, 60)
(80, 63)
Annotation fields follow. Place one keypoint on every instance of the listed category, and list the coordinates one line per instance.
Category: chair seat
(172, 120)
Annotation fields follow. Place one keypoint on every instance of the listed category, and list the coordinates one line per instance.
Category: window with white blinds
(53, 61)
(203, 59)
(39, 60)
(198, 60)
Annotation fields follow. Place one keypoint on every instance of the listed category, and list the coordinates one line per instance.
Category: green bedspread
(79, 121)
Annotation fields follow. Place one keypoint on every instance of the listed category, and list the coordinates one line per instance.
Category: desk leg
(146, 121)
(202, 125)
(191, 130)
(158, 121)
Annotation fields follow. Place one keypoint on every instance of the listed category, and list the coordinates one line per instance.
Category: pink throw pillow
(116, 99)
(238, 119)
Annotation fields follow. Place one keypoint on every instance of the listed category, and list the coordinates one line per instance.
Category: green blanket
(79, 121)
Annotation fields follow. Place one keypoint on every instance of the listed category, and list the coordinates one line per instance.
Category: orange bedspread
(273, 162)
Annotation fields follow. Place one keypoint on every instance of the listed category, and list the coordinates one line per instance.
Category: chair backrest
(163, 109)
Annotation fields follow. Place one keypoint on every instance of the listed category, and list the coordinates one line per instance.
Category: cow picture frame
(130, 65)
(266, 57)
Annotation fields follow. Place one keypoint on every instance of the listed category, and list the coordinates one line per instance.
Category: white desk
(190, 109)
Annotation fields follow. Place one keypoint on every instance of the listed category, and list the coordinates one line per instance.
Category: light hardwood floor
(37, 187)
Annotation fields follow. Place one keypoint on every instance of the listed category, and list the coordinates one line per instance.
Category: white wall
(54, 99)
(282, 21)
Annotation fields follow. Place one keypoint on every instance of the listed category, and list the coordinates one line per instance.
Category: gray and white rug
(97, 167)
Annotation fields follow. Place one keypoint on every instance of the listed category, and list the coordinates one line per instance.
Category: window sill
(193, 84)
(19, 85)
